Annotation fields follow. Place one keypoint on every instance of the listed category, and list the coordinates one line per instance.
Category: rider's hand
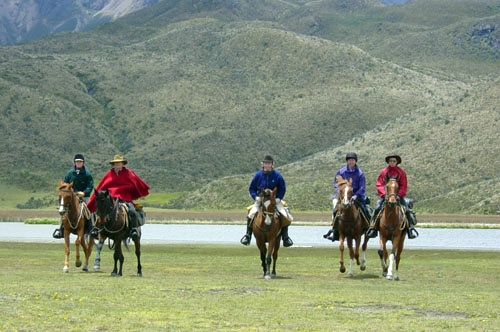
(354, 197)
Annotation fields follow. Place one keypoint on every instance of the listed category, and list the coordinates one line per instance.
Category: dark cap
(79, 157)
(268, 158)
(352, 155)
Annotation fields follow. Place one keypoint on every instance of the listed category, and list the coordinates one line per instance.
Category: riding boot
(412, 232)
(59, 232)
(287, 241)
(245, 240)
(372, 231)
(134, 232)
(333, 234)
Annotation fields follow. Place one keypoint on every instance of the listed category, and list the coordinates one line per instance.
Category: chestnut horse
(112, 219)
(74, 215)
(392, 225)
(351, 227)
(267, 229)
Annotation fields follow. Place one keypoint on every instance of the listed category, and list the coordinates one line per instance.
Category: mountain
(194, 93)
(22, 21)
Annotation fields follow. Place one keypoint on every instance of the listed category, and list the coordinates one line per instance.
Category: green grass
(207, 288)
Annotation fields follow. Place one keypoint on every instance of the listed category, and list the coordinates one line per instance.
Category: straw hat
(118, 158)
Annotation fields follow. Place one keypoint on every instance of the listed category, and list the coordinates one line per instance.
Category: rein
(112, 215)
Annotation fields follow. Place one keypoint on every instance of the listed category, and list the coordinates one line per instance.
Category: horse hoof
(389, 277)
(362, 267)
(78, 264)
(139, 274)
(350, 274)
(273, 276)
(267, 277)
(396, 278)
(342, 269)
(85, 268)
(65, 270)
(97, 268)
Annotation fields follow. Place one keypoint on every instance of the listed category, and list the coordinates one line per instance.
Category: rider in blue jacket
(267, 178)
(350, 171)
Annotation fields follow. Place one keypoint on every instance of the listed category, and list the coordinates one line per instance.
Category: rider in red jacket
(392, 170)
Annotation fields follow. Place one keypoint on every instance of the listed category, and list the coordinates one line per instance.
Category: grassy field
(211, 287)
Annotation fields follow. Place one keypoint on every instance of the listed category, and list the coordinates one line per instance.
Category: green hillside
(194, 93)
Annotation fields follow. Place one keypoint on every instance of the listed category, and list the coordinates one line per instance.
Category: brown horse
(266, 229)
(74, 215)
(112, 219)
(351, 227)
(392, 226)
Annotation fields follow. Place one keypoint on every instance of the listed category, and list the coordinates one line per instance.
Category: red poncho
(126, 185)
(395, 171)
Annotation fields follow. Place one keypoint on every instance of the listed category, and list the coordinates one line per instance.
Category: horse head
(391, 191)
(268, 203)
(104, 203)
(345, 192)
(65, 196)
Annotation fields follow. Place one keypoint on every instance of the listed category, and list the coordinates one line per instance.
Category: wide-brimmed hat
(268, 158)
(118, 158)
(352, 155)
(79, 157)
(393, 155)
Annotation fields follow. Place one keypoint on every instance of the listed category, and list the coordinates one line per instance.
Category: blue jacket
(270, 180)
(358, 181)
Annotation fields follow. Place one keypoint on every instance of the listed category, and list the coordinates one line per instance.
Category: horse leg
(341, 247)
(138, 255)
(117, 257)
(78, 241)
(382, 254)
(398, 255)
(263, 261)
(352, 256)
(87, 244)
(66, 251)
(363, 253)
(97, 261)
(275, 257)
(391, 266)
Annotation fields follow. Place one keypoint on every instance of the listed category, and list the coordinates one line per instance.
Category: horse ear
(350, 181)
(275, 190)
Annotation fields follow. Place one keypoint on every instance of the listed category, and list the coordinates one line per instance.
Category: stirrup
(94, 232)
(134, 234)
(57, 234)
(245, 240)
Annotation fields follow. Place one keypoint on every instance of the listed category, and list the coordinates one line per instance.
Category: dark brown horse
(351, 227)
(112, 219)
(266, 229)
(392, 226)
(74, 215)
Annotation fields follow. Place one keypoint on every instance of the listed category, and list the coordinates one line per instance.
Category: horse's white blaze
(267, 220)
(266, 204)
(346, 199)
(61, 206)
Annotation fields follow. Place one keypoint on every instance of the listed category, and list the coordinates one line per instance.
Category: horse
(351, 227)
(112, 219)
(266, 228)
(392, 225)
(74, 216)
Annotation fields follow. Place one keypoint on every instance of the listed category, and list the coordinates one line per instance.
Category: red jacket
(126, 185)
(395, 172)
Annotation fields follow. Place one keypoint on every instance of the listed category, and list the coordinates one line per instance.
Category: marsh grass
(216, 287)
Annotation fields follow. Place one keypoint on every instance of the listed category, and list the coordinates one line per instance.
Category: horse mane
(64, 185)
(341, 182)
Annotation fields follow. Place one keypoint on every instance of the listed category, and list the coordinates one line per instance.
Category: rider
(392, 170)
(126, 185)
(267, 178)
(83, 183)
(350, 171)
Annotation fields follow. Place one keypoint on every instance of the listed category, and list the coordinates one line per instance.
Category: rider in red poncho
(124, 184)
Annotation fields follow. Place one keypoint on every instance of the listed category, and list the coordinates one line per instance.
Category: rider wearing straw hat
(127, 186)
(394, 171)
(268, 178)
